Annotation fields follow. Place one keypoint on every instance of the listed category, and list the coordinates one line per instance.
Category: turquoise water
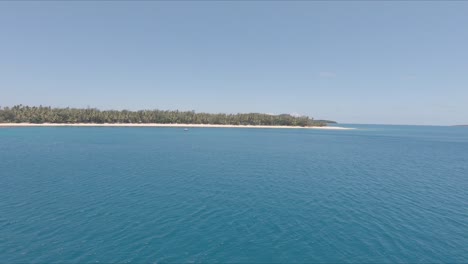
(375, 194)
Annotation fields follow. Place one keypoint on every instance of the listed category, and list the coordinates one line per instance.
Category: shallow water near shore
(372, 194)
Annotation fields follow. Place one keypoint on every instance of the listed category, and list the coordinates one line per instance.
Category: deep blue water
(375, 194)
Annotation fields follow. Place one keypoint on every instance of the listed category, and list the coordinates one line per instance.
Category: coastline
(163, 125)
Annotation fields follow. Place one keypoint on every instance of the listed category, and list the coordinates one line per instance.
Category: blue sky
(354, 62)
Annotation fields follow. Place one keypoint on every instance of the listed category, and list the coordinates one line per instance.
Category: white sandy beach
(162, 125)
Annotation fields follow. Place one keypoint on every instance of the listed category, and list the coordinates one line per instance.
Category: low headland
(25, 116)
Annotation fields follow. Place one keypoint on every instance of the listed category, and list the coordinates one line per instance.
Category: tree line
(47, 114)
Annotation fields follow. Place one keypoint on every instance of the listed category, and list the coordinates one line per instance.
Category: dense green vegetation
(326, 121)
(42, 114)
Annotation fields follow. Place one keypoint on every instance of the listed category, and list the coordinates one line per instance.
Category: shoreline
(163, 125)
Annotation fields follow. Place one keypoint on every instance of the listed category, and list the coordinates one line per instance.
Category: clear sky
(354, 62)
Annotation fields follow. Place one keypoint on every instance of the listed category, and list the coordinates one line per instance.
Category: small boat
(185, 129)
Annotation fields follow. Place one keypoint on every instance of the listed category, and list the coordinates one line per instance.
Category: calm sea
(375, 194)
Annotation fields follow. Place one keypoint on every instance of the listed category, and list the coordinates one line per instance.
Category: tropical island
(21, 115)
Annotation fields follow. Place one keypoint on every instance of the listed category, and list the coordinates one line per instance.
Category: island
(21, 115)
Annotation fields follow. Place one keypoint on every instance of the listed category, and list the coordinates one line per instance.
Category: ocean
(376, 194)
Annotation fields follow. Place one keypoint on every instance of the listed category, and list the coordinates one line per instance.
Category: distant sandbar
(162, 125)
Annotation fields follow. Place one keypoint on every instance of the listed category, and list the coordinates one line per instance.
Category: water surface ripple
(375, 194)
